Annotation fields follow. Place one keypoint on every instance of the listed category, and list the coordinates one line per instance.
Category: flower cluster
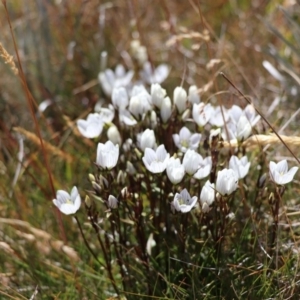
(134, 107)
(161, 176)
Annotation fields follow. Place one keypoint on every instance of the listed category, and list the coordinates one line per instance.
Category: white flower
(91, 127)
(240, 166)
(250, 114)
(106, 114)
(66, 203)
(219, 116)
(112, 201)
(193, 96)
(183, 202)
(179, 99)
(113, 135)
(235, 112)
(139, 103)
(107, 155)
(279, 172)
(191, 161)
(175, 170)
(156, 161)
(202, 113)
(110, 79)
(227, 182)
(157, 94)
(241, 122)
(166, 109)
(204, 168)
(146, 139)
(207, 195)
(243, 128)
(239, 126)
(126, 117)
(157, 75)
(120, 98)
(186, 140)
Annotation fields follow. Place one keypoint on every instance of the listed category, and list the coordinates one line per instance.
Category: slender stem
(108, 264)
(85, 241)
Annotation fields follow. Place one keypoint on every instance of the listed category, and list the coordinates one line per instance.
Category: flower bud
(157, 94)
(121, 177)
(113, 135)
(179, 98)
(130, 169)
(92, 178)
(166, 109)
(103, 181)
(112, 201)
(88, 201)
(96, 187)
(193, 95)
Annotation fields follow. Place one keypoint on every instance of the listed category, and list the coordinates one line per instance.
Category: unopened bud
(124, 192)
(113, 135)
(262, 180)
(88, 201)
(121, 177)
(96, 187)
(92, 178)
(112, 201)
(103, 181)
(130, 169)
(271, 198)
(179, 98)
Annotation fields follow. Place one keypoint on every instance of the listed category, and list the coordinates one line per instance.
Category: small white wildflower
(207, 195)
(107, 155)
(140, 102)
(279, 172)
(240, 166)
(202, 113)
(91, 127)
(204, 168)
(175, 170)
(126, 118)
(66, 203)
(227, 182)
(120, 98)
(191, 161)
(186, 140)
(156, 161)
(110, 79)
(183, 202)
(219, 116)
(146, 139)
(154, 75)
